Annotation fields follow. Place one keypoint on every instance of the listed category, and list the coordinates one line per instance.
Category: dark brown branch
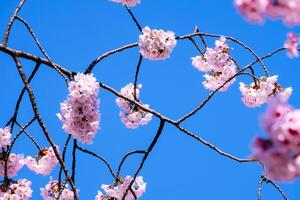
(93, 63)
(134, 19)
(74, 161)
(148, 151)
(40, 47)
(137, 74)
(10, 23)
(63, 158)
(42, 125)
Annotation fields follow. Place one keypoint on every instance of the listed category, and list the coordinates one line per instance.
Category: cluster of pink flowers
(43, 162)
(218, 66)
(255, 10)
(14, 163)
(280, 153)
(256, 94)
(80, 112)
(117, 192)
(5, 137)
(16, 190)
(156, 44)
(52, 191)
(292, 45)
(131, 115)
(129, 3)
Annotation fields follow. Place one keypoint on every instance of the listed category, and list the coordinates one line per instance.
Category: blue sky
(76, 32)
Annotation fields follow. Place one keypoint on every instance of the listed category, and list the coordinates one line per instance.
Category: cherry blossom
(131, 115)
(117, 192)
(292, 43)
(5, 137)
(218, 66)
(156, 44)
(43, 162)
(52, 191)
(280, 153)
(129, 3)
(80, 112)
(256, 94)
(255, 10)
(14, 164)
(16, 190)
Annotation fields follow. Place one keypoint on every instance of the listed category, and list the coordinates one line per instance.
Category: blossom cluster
(131, 115)
(129, 3)
(292, 45)
(156, 44)
(43, 162)
(255, 10)
(117, 192)
(280, 152)
(218, 66)
(15, 162)
(80, 112)
(16, 190)
(262, 91)
(5, 137)
(53, 191)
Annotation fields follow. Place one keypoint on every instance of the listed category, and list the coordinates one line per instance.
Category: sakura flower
(131, 115)
(256, 94)
(99, 196)
(117, 192)
(129, 3)
(253, 10)
(52, 191)
(5, 137)
(156, 44)
(43, 162)
(80, 112)
(218, 66)
(16, 190)
(280, 152)
(292, 43)
(14, 163)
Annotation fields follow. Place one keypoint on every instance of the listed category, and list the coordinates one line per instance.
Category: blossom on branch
(80, 112)
(292, 44)
(16, 190)
(53, 190)
(218, 66)
(156, 44)
(129, 3)
(131, 115)
(43, 162)
(262, 91)
(14, 163)
(117, 192)
(5, 136)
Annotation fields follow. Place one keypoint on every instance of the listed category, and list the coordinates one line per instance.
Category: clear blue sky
(74, 32)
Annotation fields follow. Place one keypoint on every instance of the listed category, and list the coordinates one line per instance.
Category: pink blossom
(156, 44)
(16, 190)
(131, 115)
(80, 112)
(253, 10)
(14, 164)
(254, 95)
(52, 191)
(43, 162)
(129, 3)
(100, 196)
(5, 137)
(217, 65)
(292, 43)
(117, 192)
(280, 152)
